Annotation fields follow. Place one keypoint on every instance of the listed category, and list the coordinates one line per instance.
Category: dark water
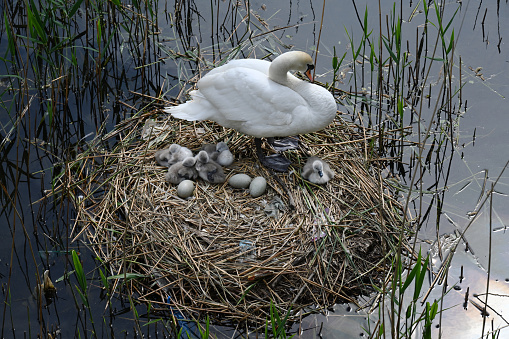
(62, 106)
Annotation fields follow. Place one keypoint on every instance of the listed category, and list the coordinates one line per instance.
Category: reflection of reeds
(327, 250)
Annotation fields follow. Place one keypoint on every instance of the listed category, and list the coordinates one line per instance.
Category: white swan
(261, 99)
(317, 171)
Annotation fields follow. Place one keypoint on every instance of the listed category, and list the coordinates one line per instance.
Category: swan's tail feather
(181, 112)
(193, 110)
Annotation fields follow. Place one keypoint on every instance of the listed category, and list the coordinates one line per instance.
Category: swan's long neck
(294, 60)
(278, 70)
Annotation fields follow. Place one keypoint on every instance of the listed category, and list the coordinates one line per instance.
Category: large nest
(222, 251)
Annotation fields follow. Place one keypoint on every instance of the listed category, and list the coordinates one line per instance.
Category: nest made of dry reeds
(221, 251)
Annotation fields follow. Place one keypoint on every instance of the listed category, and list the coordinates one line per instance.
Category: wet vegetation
(71, 72)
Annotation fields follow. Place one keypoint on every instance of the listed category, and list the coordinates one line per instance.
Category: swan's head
(221, 146)
(189, 162)
(291, 61)
(203, 157)
(305, 63)
(174, 148)
(318, 167)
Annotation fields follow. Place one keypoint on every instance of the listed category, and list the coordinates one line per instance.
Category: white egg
(257, 187)
(240, 180)
(185, 189)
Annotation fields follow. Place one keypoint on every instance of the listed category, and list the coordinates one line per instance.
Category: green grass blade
(127, 276)
(393, 56)
(83, 297)
(415, 272)
(10, 37)
(451, 42)
(245, 293)
(78, 270)
(35, 20)
(74, 8)
(420, 279)
(104, 280)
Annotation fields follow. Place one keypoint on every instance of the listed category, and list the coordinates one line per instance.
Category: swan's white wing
(247, 100)
(254, 64)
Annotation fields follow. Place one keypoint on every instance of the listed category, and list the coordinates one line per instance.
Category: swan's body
(317, 171)
(224, 156)
(260, 98)
(170, 156)
(208, 169)
(184, 170)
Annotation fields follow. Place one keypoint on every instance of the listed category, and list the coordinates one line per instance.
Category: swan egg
(240, 180)
(257, 187)
(185, 189)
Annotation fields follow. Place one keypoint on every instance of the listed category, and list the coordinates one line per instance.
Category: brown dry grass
(220, 251)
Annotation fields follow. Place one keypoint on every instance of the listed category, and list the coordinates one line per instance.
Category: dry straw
(222, 251)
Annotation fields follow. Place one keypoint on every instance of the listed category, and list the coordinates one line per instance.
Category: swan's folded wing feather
(246, 95)
(254, 64)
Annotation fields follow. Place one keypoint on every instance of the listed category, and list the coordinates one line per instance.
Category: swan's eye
(311, 67)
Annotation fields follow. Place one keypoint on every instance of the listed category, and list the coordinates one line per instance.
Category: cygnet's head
(203, 157)
(174, 148)
(221, 146)
(318, 167)
(189, 162)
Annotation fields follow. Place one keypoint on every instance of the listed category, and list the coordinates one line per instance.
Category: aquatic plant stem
(490, 231)
(319, 36)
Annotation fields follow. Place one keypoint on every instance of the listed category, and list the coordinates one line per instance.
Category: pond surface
(37, 232)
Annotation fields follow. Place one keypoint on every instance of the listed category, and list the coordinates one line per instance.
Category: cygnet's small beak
(308, 72)
(320, 173)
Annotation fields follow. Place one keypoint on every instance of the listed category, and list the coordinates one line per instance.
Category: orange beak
(308, 72)
(309, 75)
